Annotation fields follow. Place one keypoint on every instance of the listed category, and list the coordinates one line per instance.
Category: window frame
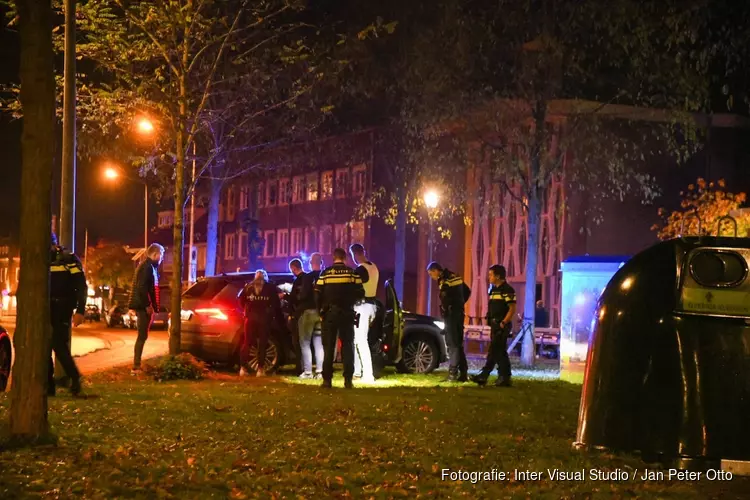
(363, 188)
(242, 252)
(267, 236)
(230, 241)
(261, 195)
(342, 192)
(231, 202)
(244, 197)
(300, 247)
(284, 194)
(272, 185)
(282, 235)
(336, 241)
(324, 194)
(312, 179)
(322, 231)
(299, 189)
(312, 230)
(359, 224)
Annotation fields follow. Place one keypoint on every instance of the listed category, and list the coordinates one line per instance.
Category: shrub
(180, 367)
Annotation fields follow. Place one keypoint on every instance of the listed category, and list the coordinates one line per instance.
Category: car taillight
(385, 347)
(213, 313)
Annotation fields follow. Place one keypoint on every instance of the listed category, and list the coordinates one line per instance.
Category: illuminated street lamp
(112, 173)
(145, 126)
(431, 201)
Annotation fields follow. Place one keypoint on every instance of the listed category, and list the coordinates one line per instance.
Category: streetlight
(431, 200)
(112, 173)
(145, 126)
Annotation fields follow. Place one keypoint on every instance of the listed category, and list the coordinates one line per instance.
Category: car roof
(250, 276)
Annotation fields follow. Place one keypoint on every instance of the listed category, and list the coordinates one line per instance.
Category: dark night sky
(112, 212)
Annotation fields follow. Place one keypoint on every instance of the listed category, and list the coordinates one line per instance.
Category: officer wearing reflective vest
(68, 294)
(500, 310)
(336, 291)
(453, 295)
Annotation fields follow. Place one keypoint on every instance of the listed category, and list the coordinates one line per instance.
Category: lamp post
(431, 200)
(112, 173)
(193, 262)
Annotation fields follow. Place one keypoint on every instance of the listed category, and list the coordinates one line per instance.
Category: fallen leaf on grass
(236, 493)
(339, 479)
(222, 408)
(191, 460)
(425, 408)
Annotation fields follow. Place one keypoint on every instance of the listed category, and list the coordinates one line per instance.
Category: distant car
(130, 319)
(92, 314)
(212, 323)
(161, 319)
(114, 316)
(6, 358)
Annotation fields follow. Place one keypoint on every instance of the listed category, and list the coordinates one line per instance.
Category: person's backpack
(467, 293)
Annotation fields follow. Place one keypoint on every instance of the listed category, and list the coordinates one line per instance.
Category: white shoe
(367, 380)
(243, 372)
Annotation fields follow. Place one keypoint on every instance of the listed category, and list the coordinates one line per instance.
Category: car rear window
(206, 289)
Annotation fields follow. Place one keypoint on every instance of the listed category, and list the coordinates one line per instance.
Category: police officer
(500, 311)
(453, 295)
(68, 293)
(336, 292)
(262, 306)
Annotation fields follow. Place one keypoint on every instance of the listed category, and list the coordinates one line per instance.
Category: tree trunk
(28, 406)
(536, 191)
(212, 231)
(400, 247)
(179, 222)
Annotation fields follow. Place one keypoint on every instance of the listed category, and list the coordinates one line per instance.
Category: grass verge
(226, 437)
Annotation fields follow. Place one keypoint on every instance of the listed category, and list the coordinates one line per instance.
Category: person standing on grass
(144, 298)
(262, 306)
(500, 311)
(336, 292)
(453, 296)
(366, 309)
(307, 319)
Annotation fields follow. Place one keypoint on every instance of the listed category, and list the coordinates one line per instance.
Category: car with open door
(212, 323)
(6, 358)
(413, 343)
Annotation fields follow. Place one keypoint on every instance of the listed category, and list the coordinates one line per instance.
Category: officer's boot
(452, 377)
(326, 384)
(51, 389)
(348, 384)
(480, 379)
(75, 387)
(503, 382)
(463, 377)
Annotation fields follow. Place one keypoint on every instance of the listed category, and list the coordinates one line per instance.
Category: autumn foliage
(703, 205)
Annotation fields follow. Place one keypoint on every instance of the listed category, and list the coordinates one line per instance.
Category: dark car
(6, 358)
(92, 314)
(212, 324)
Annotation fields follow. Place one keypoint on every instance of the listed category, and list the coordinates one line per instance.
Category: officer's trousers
(256, 332)
(362, 354)
(498, 352)
(454, 340)
(60, 316)
(338, 323)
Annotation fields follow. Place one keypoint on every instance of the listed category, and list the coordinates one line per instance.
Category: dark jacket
(500, 299)
(144, 291)
(338, 286)
(302, 296)
(265, 306)
(68, 286)
(453, 293)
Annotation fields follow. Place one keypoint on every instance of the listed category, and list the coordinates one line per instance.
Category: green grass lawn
(227, 437)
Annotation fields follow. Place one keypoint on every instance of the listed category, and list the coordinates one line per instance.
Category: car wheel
(272, 356)
(419, 355)
(5, 363)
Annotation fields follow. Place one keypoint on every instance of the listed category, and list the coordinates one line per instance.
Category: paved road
(97, 347)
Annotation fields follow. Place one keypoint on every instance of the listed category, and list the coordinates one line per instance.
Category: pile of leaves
(181, 367)
(702, 207)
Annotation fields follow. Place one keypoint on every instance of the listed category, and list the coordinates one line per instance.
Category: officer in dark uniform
(68, 293)
(500, 311)
(336, 291)
(453, 295)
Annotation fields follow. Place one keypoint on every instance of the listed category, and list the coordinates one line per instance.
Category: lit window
(18, 274)
(282, 243)
(244, 197)
(325, 240)
(284, 192)
(312, 187)
(326, 186)
(272, 193)
(261, 195)
(297, 242)
(242, 251)
(230, 204)
(341, 236)
(270, 243)
(311, 239)
(358, 232)
(359, 179)
(202, 258)
(229, 246)
(298, 189)
(342, 183)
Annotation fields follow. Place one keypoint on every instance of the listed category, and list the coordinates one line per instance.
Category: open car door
(394, 323)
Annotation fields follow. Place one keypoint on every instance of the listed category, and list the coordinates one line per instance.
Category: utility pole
(68, 187)
(193, 262)
(68, 180)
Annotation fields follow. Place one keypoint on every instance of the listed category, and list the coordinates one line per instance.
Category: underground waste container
(668, 367)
